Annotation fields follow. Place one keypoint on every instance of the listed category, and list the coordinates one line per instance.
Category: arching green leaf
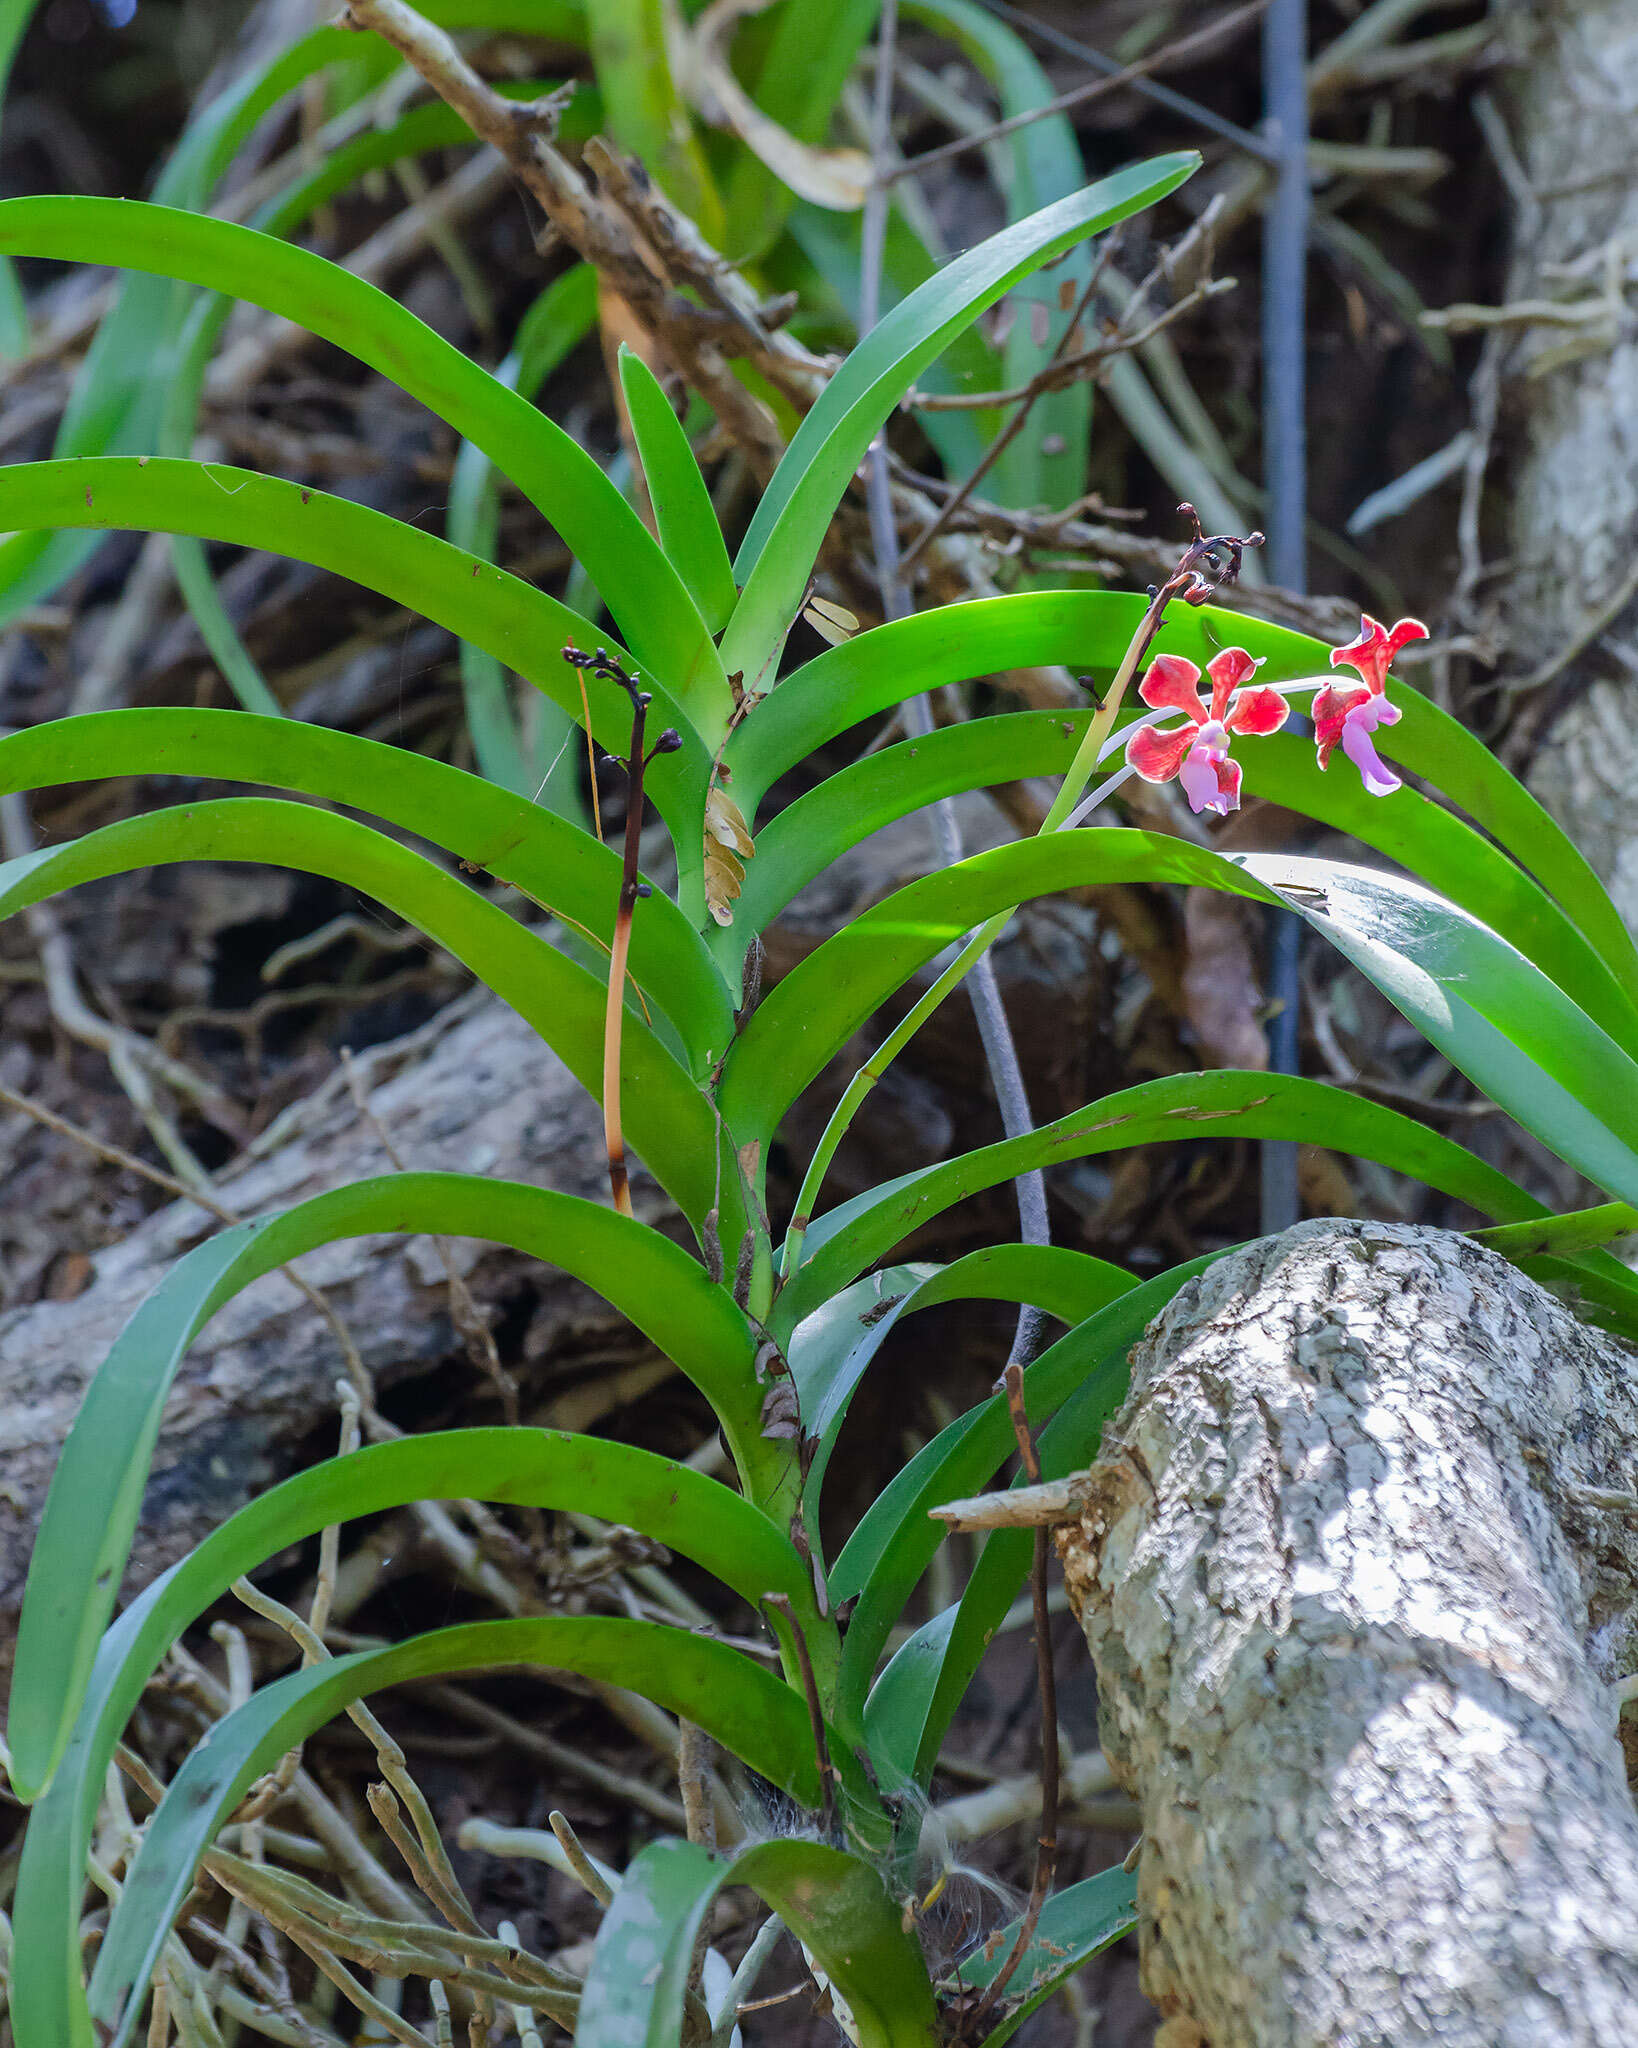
(833, 1902)
(79, 1559)
(488, 828)
(751, 1713)
(571, 491)
(783, 541)
(667, 1118)
(683, 511)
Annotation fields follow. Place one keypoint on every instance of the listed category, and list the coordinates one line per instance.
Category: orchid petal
(1258, 713)
(1228, 671)
(1375, 649)
(1157, 756)
(1202, 783)
(1328, 711)
(1358, 745)
(1172, 684)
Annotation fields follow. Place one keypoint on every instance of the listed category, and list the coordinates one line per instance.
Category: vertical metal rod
(983, 990)
(1285, 479)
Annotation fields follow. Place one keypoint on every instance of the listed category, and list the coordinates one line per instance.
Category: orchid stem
(1186, 579)
(631, 887)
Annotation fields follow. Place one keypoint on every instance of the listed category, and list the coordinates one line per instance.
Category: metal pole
(1285, 253)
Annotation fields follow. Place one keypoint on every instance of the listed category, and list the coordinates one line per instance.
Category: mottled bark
(1359, 1572)
(1570, 421)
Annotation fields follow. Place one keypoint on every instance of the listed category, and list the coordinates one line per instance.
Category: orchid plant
(824, 1675)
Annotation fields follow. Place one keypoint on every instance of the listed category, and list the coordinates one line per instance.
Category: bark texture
(1571, 401)
(1358, 1579)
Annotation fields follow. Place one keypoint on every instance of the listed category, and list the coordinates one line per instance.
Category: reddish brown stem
(631, 887)
(1046, 1849)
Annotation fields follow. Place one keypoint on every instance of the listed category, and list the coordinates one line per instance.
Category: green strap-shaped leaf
(833, 1902)
(646, 114)
(1090, 630)
(524, 1467)
(79, 1559)
(1510, 1030)
(654, 610)
(1046, 463)
(831, 1349)
(813, 1012)
(749, 1711)
(1443, 850)
(520, 626)
(113, 404)
(667, 1119)
(893, 1544)
(1218, 1104)
(557, 322)
(562, 869)
(1516, 1035)
(784, 537)
(1075, 1924)
(689, 530)
(427, 127)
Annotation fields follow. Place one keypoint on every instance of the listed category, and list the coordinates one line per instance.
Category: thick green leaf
(795, 75)
(1577, 1231)
(783, 541)
(894, 1542)
(689, 531)
(1478, 999)
(1445, 852)
(833, 1902)
(647, 115)
(488, 828)
(1090, 630)
(642, 590)
(1177, 1108)
(1510, 1030)
(520, 626)
(427, 127)
(749, 1711)
(1046, 463)
(831, 1349)
(537, 1468)
(806, 1020)
(1075, 1924)
(79, 1560)
(667, 1118)
(832, 244)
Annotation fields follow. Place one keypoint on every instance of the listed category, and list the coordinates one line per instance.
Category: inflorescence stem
(631, 887)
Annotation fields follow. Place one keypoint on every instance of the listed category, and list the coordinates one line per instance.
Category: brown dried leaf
(728, 844)
(832, 622)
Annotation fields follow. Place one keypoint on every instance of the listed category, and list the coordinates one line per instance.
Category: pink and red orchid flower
(1198, 753)
(1351, 714)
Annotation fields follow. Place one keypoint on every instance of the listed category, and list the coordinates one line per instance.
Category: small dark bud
(669, 741)
(644, 699)
(644, 889)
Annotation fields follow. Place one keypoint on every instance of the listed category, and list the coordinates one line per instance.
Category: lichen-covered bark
(1573, 424)
(1358, 1579)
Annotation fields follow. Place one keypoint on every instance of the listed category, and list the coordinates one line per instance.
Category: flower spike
(1350, 715)
(1197, 754)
